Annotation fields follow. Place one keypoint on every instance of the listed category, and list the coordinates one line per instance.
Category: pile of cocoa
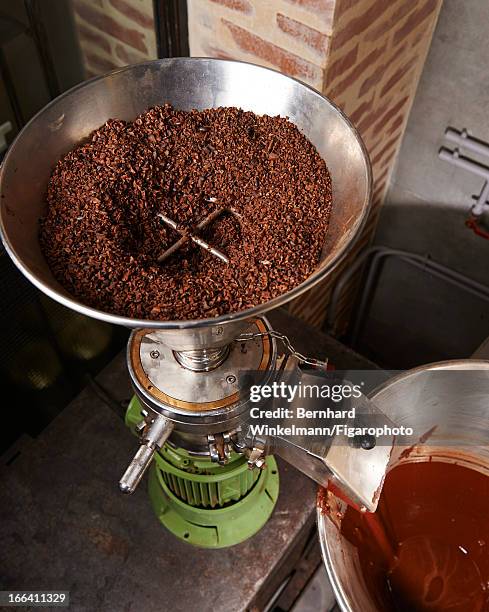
(102, 234)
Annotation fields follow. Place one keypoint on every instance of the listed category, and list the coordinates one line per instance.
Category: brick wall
(366, 55)
(377, 53)
(114, 33)
(291, 36)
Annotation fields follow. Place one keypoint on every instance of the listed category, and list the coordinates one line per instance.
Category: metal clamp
(219, 447)
(254, 448)
(256, 457)
(317, 363)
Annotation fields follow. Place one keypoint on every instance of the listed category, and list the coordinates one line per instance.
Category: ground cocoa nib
(102, 235)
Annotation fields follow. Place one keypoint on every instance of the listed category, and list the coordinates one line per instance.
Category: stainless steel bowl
(186, 83)
(454, 397)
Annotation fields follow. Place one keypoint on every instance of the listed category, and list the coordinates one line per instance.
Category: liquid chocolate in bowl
(426, 547)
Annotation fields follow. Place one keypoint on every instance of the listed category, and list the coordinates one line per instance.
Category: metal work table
(64, 525)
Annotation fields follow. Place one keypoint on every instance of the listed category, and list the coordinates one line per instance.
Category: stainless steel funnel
(186, 83)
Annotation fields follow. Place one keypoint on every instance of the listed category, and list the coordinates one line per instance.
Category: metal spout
(357, 471)
(355, 464)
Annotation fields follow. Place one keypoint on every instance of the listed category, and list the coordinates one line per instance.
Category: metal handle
(156, 434)
(136, 469)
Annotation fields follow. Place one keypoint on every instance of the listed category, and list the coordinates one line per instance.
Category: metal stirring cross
(187, 235)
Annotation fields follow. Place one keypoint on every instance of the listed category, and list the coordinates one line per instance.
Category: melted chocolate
(426, 547)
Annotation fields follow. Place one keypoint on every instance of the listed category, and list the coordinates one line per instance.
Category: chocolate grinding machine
(207, 483)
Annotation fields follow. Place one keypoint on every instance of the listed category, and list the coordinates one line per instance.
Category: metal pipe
(452, 277)
(342, 281)
(456, 159)
(481, 201)
(462, 139)
(419, 261)
(10, 89)
(366, 294)
(39, 35)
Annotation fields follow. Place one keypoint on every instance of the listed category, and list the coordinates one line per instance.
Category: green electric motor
(204, 503)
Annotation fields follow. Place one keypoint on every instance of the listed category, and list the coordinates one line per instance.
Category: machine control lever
(154, 435)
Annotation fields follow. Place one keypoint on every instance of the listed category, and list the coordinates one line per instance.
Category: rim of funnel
(65, 299)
